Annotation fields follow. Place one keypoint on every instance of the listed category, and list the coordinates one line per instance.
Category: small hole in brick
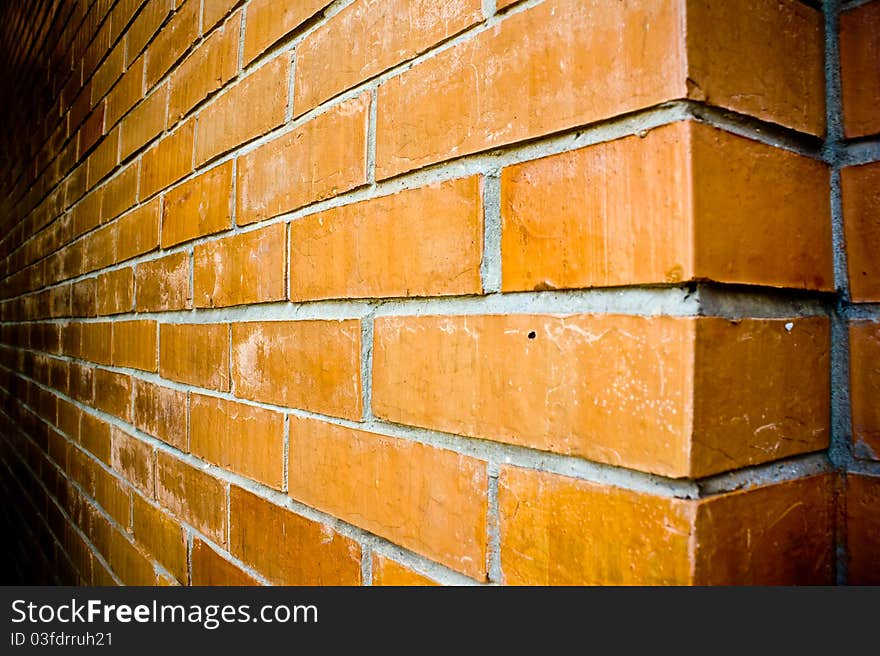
(532, 335)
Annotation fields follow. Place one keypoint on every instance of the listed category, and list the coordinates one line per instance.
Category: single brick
(269, 20)
(163, 284)
(387, 572)
(134, 460)
(144, 123)
(553, 68)
(239, 438)
(99, 249)
(193, 495)
(94, 436)
(96, 342)
(423, 498)
(120, 193)
(134, 345)
(379, 36)
(862, 529)
(83, 298)
(864, 379)
(860, 69)
(860, 189)
(263, 93)
(168, 161)
(312, 365)
(289, 549)
(115, 291)
(210, 568)
(781, 534)
(321, 158)
(638, 392)
(113, 393)
(107, 74)
(556, 530)
(92, 130)
(208, 68)
(138, 231)
(782, 80)
(161, 412)
(161, 536)
(200, 206)
(172, 41)
(126, 94)
(195, 353)
(241, 269)
(87, 213)
(419, 242)
(709, 205)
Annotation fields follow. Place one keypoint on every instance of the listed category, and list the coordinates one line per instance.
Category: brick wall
(412, 292)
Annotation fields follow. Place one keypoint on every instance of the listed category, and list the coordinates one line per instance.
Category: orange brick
(193, 495)
(71, 339)
(313, 365)
(111, 493)
(289, 549)
(99, 249)
(104, 159)
(324, 157)
(860, 189)
(208, 68)
(239, 438)
(161, 536)
(210, 568)
(200, 206)
(864, 376)
(710, 205)
(87, 213)
(551, 66)
(860, 69)
(120, 193)
(134, 460)
(420, 242)
(173, 40)
(388, 572)
(94, 435)
(269, 20)
(557, 530)
(83, 298)
(115, 291)
(782, 80)
(96, 342)
(161, 412)
(126, 94)
(423, 498)
(113, 393)
(144, 123)
(168, 161)
(68, 419)
(92, 130)
(263, 93)
(163, 284)
(138, 231)
(378, 37)
(241, 269)
(134, 345)
(780, 534)
(127, 561)
(863, 529)
(213, 11)
(637, 53)
(669, 395)
(196, 354)
(146, 25)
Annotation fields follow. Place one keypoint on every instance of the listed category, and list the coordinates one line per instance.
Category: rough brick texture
(407, 292)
